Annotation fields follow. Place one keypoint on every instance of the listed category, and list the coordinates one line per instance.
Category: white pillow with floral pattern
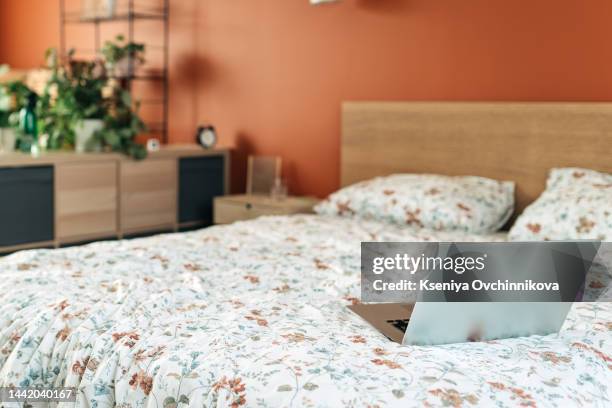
(466, 203)
(577, 204)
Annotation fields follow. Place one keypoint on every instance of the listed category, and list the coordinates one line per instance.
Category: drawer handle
(249, 206)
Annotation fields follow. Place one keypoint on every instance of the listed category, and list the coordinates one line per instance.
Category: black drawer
(26, 205)
(201, 179)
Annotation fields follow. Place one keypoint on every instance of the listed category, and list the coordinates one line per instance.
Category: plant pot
(83, 133)
(98, 9)
(110, 8)
(8, 140)
(121, 69)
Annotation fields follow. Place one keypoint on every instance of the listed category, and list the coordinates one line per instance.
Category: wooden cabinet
(200, 181)
(26, 206)
(86, 197)
(148, 195)
(66, 198)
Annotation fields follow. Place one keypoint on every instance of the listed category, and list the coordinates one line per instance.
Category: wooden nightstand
(230, 209)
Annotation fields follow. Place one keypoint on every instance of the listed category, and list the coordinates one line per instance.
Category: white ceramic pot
(8, 139)
(110, 8)
(84, 131)
(122, 68)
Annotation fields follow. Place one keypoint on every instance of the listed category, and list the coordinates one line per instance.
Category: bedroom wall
(271, 74)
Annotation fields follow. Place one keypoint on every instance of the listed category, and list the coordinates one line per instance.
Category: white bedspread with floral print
(253, 314)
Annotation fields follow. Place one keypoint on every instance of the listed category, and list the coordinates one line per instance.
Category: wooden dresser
(66, 198)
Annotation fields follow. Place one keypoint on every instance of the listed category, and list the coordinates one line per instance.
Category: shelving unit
(134, 13)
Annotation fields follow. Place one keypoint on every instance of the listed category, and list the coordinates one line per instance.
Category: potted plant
(72, 105)
(121, 126)
(88, 80)
(82, 107)
(123, 58)
(7, 134)
(13, 96)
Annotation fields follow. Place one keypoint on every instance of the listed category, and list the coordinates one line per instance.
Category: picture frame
(262, 173)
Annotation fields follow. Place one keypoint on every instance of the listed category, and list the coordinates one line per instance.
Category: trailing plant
(79, 90)
(58, 107)
(119, 50)
(88, 79)
(121, 126)
(6, 106)
(13, 96)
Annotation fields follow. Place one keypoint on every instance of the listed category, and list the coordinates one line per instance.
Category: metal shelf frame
(131, 16)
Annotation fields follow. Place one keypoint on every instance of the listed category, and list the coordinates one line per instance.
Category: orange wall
(271, 74)
(27, 29)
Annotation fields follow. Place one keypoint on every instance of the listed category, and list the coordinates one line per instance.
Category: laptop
(434, 323)
(445, 317)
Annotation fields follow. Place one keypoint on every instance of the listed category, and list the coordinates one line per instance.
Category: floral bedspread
(253, 314)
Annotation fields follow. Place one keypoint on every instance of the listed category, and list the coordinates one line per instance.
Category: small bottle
(28, 124)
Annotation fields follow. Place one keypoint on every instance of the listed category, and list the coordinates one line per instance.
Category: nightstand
(234, 208)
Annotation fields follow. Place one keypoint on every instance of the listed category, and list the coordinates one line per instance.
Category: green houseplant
(72, 105)
(88, 81)
(122, 57)
(82, 108)
(6, 132)
(121, 126)
(13, 97)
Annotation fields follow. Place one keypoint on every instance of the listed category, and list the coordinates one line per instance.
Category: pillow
(468, 203)
(577, 204)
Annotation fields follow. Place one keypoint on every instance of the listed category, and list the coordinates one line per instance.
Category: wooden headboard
(505, 141)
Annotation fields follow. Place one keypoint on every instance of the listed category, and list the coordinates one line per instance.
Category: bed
(253, 314)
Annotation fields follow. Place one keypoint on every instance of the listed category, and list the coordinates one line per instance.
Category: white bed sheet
(253, 314)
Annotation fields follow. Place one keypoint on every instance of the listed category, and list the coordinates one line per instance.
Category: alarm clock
(206, 136)
(153, 145)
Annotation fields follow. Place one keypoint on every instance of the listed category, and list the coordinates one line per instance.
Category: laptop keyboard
(401, 324)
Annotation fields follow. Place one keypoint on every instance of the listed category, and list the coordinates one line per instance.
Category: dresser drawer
(228, 212)
(148, 195)
(86, 198)
(230, 209)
